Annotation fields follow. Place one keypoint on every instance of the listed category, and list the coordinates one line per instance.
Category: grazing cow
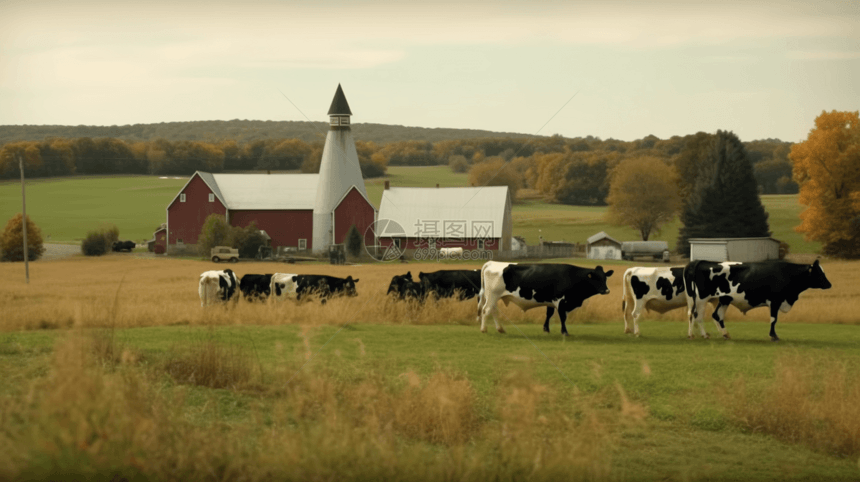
(283, 286)
(451, 252)
(405, 288)
(324, 286)
(775, 284)
(654, 289)
(123, 246)
(447, 283)
(256, 286)
(217, 286)
(561, 287)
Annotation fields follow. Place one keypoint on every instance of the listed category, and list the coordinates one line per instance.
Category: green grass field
(66, 208)
(690, 426)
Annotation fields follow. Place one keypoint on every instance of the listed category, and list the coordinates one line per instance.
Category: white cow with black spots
(217, 286)
(652, 289)
(283, 286)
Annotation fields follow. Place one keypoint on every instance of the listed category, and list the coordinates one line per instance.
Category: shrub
(12, 240)
(100, 241)
(215, 232)
(353, 242)
(248, 240)
(458, 163)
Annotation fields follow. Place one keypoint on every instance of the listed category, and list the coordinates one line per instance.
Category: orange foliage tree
(494, 171)
(642, 195)
(827, 168)
(12, 240)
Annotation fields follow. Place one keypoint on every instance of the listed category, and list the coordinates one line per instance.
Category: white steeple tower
(339, 171)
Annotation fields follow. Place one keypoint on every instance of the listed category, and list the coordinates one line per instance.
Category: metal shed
(734, 249)
(603, 246)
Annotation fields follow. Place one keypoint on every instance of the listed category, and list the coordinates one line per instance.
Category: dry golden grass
(811, 400)
(84, 292)
(87, 420)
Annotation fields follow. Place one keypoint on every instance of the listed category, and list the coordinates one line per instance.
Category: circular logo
(387, 233)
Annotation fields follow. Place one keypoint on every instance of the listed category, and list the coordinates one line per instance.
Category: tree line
(564, 170)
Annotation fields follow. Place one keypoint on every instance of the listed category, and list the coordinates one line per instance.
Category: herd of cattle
(560, 287)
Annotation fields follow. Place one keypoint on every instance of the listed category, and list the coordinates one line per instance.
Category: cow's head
(597, 278)
(399, 282)
(349, 286)
(817, 278)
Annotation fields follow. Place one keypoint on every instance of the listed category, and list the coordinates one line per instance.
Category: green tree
(353, 242)
(724, 202)
(642, 195)
(12, 240)
(248, 239)
(215, 232)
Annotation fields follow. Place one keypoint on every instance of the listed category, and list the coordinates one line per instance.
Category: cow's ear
(409, 274)
(598, 268)
(355, 280)
(816, 263)
(609, 273)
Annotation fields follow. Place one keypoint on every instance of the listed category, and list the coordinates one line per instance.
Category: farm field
(66, 208)
(129, 377)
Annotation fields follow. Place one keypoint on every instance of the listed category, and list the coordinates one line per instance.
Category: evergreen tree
(724, 202)
(353, 241)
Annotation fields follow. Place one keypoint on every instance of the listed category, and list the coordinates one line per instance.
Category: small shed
(603, 246)
(518, 243)
(734, 249)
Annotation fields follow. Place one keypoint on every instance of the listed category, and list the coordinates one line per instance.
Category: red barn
(282, 205)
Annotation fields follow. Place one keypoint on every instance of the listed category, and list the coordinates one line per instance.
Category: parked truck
(659, 250)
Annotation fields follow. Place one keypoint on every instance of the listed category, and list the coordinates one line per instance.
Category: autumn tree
(724, 201)
(215, 232)
(642, 195)
(827, 168)
(12, 240)
(494, 171)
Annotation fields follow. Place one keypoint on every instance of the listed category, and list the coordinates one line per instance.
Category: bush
(100, 241)
(458, 163)
(353, 242)
(248, 240)
(215, 232)
(12, 240)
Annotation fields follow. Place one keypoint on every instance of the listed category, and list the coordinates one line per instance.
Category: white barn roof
(478, 208)
(601, 235)
(264, 191)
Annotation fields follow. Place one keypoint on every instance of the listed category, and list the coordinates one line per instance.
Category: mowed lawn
(66, 208)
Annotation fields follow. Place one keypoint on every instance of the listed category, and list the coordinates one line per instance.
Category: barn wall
(284, 227)
(185, 219)
(354, 210)
(161, 240)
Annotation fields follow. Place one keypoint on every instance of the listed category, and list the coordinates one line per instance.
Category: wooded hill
(242, 131)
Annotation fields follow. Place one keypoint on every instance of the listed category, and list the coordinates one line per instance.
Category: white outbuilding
(743, 250)
(603, 246)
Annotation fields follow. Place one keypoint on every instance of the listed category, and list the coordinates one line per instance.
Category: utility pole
(24, 220)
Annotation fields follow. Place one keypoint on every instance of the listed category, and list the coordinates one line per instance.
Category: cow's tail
(691, 288)
(208, 290)
(482, 293)
(628, 275)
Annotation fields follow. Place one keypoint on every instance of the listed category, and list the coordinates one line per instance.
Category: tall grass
(159, 292)
(811, 400)
(84, 420)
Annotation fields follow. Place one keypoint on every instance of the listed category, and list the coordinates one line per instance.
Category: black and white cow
(256, 286)
(123, 246)
(324, 286)
(652, 289)
(217, 286)
(405, 288)
(283, 286)
(465, 283)
(561, 287)
(774, 284)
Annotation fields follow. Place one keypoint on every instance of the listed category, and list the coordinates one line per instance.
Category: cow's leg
(549, 311)
(637, 312)
(695, 314)
(562, 315)
(720, 315)
(774, 312)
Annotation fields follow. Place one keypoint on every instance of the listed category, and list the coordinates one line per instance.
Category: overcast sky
(760, 69)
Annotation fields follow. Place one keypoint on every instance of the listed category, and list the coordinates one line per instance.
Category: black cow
(324, 286)
(561, 287)
(123, 246)
(405, 288)
(775, 284)
(256, 286)
(465, 283)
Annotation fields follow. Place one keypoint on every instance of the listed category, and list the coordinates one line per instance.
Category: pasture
(111, 368)
(66, 208)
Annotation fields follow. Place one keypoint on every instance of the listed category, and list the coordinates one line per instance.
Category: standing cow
(324, 286)
(283, 286)
(654, 289)
(217, 286)
(465, 283)
(561, 287)
(256, 286)
(405, 288)
(774, 284)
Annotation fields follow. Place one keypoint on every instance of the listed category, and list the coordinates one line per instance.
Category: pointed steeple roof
(339, 106)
